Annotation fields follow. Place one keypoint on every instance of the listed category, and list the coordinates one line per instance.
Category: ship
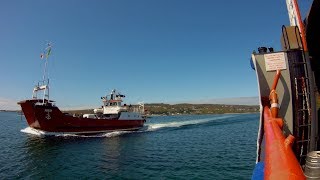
(288, 141)
(43, 115)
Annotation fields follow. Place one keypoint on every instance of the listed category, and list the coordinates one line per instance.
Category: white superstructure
(113, 108)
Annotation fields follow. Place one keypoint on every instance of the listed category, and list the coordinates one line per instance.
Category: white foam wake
(114, 134)
(154, 127)
(32, 131)
(37, 132)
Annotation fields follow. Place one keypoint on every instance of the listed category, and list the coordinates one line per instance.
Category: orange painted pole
(273, 97)
(276, 79)
(280, 161)
(301, 26)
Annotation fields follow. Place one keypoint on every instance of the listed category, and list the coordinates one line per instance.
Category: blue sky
(152, 51)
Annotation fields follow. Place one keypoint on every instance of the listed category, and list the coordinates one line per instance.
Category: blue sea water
(169, 147)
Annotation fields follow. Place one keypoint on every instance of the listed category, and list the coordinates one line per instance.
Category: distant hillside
(251, 101)
(167, 109)
(3, 110)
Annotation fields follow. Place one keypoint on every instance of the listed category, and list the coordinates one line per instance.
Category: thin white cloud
(8, 104)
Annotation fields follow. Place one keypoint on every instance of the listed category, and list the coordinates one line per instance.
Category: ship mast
(44, 84)
(47, 53)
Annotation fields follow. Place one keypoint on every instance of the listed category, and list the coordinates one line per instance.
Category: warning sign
(275, 61)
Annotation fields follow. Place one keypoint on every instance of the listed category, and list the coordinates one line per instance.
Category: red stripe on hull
(51, 119)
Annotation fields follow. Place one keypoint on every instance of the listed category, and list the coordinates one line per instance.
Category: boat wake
(147, 128)
(177, 124)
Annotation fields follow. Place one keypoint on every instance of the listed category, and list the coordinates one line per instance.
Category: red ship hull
(50, 119)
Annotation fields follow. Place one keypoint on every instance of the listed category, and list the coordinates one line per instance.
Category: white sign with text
(275, 61)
